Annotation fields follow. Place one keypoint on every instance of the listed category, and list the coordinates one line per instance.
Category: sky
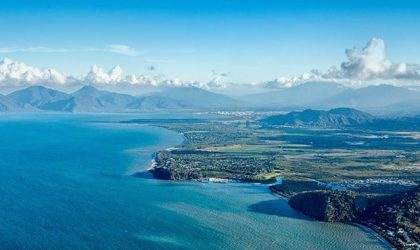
(244, 42)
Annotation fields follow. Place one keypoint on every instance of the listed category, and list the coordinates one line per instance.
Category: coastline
(203, 201)
(165, 147)
(369, 230)
(365, 227)
(153, 165)
(148, 166)
(375, 233)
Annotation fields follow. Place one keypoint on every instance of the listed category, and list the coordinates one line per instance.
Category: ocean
(67, 183)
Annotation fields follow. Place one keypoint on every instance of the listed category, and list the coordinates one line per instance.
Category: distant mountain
(375, 97)
(308, 94)
(401, 109)
(380, 99)
(198, 98)
(90, 99)
(183, 98)
(86, 99)
(401, 123)
(334, 118)
(9, 105)
(38, 97)
(153, 102)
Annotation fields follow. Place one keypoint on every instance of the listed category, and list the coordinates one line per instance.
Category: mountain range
(303, 95)
(90, 99)
(342, 118)
(385, 99)
(334, 118)
(7, 104)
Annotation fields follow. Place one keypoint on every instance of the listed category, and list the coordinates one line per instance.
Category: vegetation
(396, 217)
(340, 174)
(328, 206)
(334, 118)
(342, 118)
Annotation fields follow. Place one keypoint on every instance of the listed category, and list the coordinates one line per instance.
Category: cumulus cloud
(97, 75)
(17, 73)
(371, 63)
(115, 76)
(363, 65)
(160, 81)
(287, 82)
(217, 80)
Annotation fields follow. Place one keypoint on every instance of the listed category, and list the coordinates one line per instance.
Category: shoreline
(153, 150)
(153, 164)
(374, 232)
(363, 227)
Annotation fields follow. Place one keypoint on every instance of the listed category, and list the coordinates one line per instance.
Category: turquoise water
(66, 183)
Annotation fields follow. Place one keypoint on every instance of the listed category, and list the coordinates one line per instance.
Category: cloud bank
(18, 74)
(361, 67)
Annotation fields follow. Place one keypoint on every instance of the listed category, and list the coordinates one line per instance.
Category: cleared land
(367, 162)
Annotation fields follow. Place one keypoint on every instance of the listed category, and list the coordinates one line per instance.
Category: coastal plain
(239, 147)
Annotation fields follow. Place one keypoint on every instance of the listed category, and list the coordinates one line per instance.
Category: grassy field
(243, 149)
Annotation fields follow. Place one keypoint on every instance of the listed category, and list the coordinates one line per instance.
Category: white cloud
(122, 49)
(160, 81)
(371, 63)
(287, 82)
(117, 49)
(32, 50)
(17, 73)
(363, 66)
(217, 81)
(97, 75)
(110, 48)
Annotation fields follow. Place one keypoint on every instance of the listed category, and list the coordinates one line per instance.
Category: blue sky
(253, 40)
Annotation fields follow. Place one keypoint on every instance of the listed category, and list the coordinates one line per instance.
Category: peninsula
(338, 171)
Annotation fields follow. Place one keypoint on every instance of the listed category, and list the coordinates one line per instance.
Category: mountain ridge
(91, 99)
(379, 99)
(334, 118)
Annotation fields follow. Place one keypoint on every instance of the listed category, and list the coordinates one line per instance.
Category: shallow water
(66, 183)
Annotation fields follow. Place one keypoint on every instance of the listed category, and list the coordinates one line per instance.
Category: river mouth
(65, 185)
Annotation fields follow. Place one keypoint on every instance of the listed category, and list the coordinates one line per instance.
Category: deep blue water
(66, 183)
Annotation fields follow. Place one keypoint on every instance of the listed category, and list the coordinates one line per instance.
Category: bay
(66, 183)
